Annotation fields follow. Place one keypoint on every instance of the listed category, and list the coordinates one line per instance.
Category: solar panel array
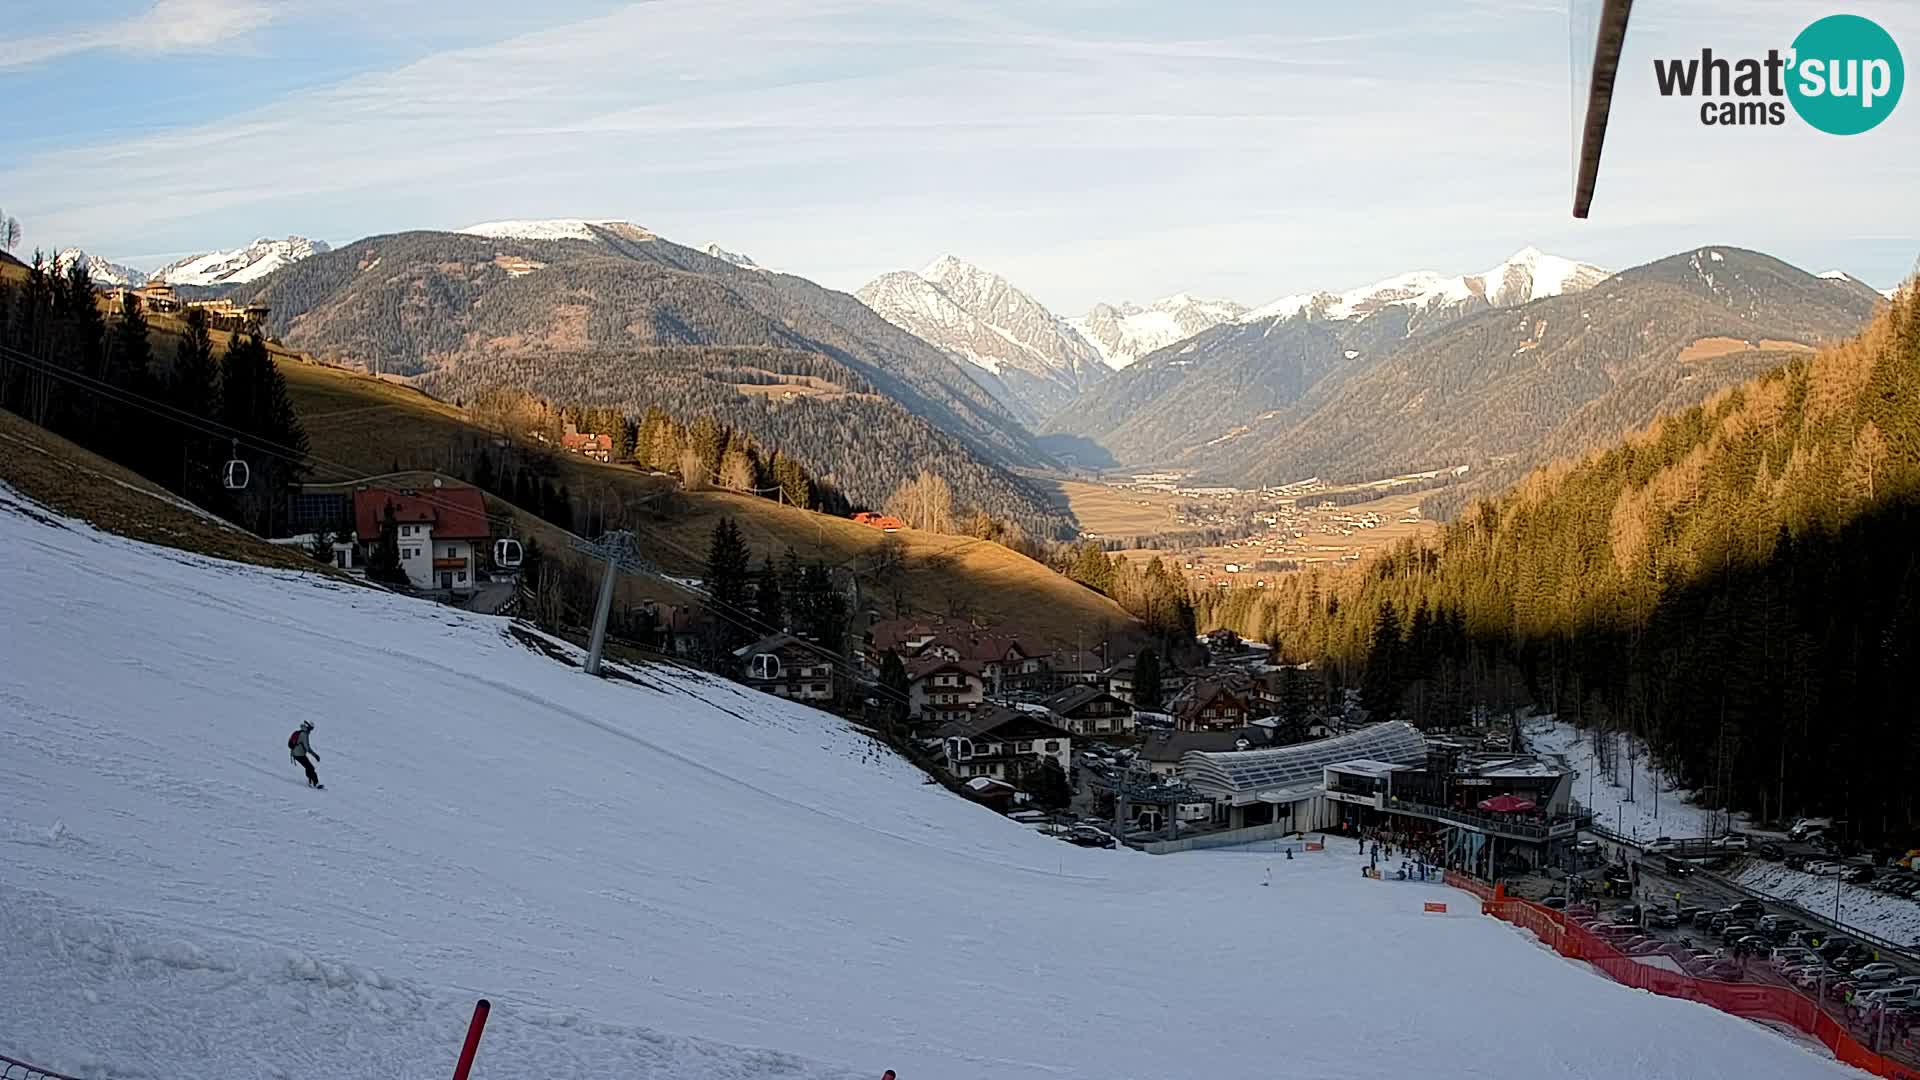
(1291, 766)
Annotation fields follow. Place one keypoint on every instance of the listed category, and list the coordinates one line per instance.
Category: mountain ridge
(1029, 357)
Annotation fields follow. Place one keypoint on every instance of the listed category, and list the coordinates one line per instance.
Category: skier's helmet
(306, 725)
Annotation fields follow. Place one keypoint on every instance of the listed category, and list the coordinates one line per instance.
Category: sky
(1109, 151)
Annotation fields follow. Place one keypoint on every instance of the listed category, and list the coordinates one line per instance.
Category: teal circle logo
(1846, 75)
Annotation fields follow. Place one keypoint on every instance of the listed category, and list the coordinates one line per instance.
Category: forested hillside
(1503, 390)
(631, 320)
(1738, 583)
(1506, 390)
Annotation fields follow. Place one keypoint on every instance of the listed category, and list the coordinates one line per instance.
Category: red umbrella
(1506, 804)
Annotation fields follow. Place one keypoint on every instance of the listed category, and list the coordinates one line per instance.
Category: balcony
(1502, 825)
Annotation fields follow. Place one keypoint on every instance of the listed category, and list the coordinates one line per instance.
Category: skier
(300, 748)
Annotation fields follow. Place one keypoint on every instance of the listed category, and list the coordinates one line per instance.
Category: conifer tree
(1146, 681)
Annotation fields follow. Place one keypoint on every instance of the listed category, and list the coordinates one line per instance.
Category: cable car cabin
(785, 666)
(236, 475)
(507, 554)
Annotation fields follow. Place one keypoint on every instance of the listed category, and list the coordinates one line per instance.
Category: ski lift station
(1390, 775)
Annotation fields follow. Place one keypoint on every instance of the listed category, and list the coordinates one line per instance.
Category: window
(451, 554)
(460, 578)
(764, 666)
(1053, 746)
(1026, 748)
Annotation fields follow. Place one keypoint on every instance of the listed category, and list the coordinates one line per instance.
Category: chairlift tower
(622, 553)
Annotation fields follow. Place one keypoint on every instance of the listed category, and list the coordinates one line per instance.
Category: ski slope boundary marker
(474, 1028)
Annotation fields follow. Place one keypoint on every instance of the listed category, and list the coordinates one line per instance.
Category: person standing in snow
(302, 749)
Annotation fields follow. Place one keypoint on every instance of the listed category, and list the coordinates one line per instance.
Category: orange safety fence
(1754, 1001)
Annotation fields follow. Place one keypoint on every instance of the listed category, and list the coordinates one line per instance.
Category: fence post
(478, 1024)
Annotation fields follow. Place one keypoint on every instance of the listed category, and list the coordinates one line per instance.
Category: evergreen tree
(1146, 681)
(1380, 686)
(383, 565)
(193, 386)
(819, 609)
(769, 604)
(726, 582)
(1046, 782)
(894, 687)
(254, 401)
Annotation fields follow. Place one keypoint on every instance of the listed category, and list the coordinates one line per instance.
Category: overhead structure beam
(1608, 42)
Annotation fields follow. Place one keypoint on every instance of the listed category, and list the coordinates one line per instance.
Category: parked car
(1555, 903)
(1627, 913)
(1856, 874)
(1689, 913)
(1881, 971)
(1662, 916)
(1663, 844)
(1770, 851)
(1088, 836)
(1733, 932)
(1732, 842)
(1803, 826)
(1678, 867)
(1782, 959)
(1747, 906)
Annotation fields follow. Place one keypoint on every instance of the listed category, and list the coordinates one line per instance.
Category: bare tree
(9, 232)
(693, 470)
(925, 502)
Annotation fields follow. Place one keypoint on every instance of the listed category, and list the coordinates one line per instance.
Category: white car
(1878, 972)
(1732, 842)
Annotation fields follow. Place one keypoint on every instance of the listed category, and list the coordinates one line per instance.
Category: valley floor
(662, 876)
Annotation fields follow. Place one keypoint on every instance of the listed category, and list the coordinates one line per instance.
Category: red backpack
(293, 740)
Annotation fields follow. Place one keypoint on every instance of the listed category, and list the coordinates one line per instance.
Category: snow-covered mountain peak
(734, 257)
(1038, 362)
(100, 270)
(1529, 274)
(240, 265)
(1125, 332)
(540, 229)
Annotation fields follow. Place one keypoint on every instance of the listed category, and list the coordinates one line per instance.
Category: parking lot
(1686, 919)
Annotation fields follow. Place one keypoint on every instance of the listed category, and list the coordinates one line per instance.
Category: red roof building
(455, 513)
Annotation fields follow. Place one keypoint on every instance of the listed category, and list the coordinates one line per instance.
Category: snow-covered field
(1891, 917)
(1672, 814)
(668, 878)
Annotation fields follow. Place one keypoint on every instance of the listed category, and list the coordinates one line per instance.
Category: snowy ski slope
(662, 878)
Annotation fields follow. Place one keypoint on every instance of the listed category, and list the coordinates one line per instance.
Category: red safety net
(1754, 1001)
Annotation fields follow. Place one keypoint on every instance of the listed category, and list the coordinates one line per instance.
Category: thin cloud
(168, 26)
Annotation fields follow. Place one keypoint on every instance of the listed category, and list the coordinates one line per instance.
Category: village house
(1213, 703)
(435, 531)
(1090, 710)
(1120, 680)
(1079, 667)
(940, 691)
(1002, 743)
(587, 444)
(1006, 666)
(785, 666)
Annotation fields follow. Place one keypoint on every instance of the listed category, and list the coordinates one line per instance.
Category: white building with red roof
(436, 531)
